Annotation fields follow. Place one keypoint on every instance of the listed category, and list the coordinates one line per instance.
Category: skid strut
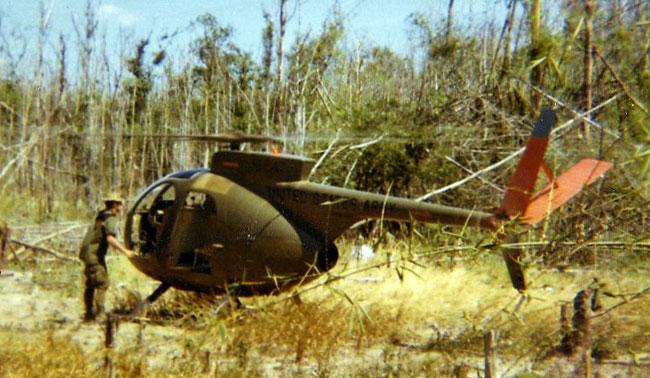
(143, 305)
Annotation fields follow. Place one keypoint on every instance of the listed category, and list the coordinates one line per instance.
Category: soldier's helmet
(113, 197)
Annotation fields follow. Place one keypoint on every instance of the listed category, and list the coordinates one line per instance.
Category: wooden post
(141, 326)
(206, 362)
(109, 331)
(512, 258)
(109, 342)
(490, 341)
(582, 319)
(4, 240)
(565, 330)
(576, 339)
(582, 328)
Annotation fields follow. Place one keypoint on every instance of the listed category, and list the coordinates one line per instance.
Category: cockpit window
(200, 201)
(150, 216)
(164, 193)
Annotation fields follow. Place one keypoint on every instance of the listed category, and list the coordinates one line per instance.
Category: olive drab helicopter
(251, 223)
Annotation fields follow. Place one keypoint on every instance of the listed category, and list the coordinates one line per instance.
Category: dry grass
(33, 354)
(428, 323)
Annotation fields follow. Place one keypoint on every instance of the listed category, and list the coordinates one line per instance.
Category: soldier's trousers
(95, 291)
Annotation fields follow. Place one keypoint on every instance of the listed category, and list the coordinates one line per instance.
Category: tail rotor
(521, 202)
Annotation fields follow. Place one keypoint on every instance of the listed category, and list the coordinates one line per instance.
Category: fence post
(565, 330)
(206, 362)
(490, 341)
(582, 319)
(109, 342)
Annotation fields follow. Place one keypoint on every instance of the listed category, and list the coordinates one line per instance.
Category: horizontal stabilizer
(563, 188)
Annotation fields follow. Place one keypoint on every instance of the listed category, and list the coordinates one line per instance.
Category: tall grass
(431, 321)
(67, 137)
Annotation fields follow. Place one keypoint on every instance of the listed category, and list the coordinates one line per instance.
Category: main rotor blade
(219, 138)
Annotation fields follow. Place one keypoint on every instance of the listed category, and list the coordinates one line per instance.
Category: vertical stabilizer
(522, 183)
(521, 201)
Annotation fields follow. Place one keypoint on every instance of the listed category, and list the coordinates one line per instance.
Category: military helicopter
(251, 223)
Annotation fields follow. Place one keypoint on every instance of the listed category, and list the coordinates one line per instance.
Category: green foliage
(442, 115)
(10, 92)
(223, 72)
(440, 110)
(139, 87)
(387, 168)
(311, 59)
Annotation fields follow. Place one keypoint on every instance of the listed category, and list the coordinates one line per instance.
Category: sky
(371, 22)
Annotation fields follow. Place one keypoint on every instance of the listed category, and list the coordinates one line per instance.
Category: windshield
(149, 217)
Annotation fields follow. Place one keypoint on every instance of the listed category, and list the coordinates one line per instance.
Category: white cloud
(113, 13)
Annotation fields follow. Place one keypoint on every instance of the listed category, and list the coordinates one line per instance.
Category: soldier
(93, 254)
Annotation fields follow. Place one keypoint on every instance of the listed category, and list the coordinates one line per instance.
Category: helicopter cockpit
(150, 217)
(151, 214)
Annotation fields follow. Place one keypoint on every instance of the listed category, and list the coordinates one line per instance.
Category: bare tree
(590, 6)
(280, 100)
(507, 38)
(282, 26)
(536, 74)
(86, 38)
(450, 18)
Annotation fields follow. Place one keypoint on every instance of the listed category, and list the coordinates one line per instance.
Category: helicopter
(252, 224)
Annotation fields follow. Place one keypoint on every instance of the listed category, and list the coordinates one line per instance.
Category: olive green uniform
(93, 254)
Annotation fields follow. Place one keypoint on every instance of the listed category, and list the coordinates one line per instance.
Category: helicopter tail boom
(335, 209)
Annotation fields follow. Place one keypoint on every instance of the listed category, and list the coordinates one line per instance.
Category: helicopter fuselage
(215, 234)
(253, 224)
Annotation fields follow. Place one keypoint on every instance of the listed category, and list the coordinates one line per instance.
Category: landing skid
(228, 301)
(143, 306)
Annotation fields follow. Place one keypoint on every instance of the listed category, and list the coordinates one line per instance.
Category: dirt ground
(27, 306)
(42, 295)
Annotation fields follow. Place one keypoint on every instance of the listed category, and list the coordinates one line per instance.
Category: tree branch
(508, 158)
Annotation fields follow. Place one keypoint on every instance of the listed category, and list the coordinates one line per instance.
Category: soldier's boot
(89, 301)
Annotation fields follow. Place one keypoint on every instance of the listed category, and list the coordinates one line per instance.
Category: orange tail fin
(563, 189)
(520, 199)
(522, 183)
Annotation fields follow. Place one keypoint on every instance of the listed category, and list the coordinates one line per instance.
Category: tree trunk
(450, 19)
(507, 40)
(280, 85)
(589, 10)
(281, 33)
(535, 53)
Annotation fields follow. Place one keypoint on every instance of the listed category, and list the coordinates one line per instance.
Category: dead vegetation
(370, 322)
(444, 126)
